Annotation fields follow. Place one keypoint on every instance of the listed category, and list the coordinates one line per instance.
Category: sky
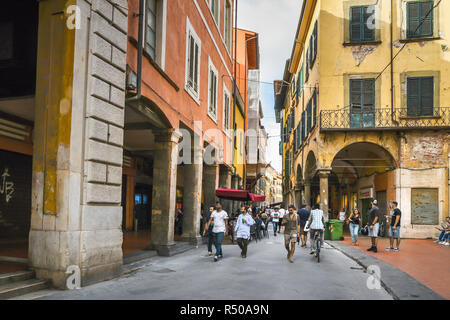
(276, 23)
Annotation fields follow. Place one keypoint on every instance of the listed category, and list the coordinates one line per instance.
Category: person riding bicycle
(316, 223)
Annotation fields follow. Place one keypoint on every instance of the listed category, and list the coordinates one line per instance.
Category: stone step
(15, 289)
(138, 256)
(16, 276)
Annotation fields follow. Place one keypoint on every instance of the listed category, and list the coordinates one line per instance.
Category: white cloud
(276, 23)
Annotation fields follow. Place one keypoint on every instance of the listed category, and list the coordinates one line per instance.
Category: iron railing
(383, 119)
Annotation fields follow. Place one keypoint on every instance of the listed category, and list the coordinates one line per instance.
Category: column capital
(324, 172)
(167, 135)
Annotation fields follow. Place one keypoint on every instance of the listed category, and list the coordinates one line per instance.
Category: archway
(364, 172)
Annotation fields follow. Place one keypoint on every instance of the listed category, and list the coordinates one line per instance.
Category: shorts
(302, 230)
(394, 234)
(290, 237)
(373, 233)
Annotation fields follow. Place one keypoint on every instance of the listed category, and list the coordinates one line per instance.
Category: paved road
(265, 274)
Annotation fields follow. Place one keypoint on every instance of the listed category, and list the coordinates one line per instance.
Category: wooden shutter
(427, 25)
(314, 107)
(413, 97)
(308, 116)
(426, 96)
(356, 96)
(368, 32)
(315, 40)
(355, 24)
(419, 24)
(368, 96)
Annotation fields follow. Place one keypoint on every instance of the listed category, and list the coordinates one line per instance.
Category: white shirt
(243, 228)
(317, 219)
(282, 212)
(342, 215)
(219, 220)
(275, 216)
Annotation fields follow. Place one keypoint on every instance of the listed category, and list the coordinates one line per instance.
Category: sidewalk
(423, 260)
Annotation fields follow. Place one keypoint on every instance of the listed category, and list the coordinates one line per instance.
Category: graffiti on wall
(6, 185)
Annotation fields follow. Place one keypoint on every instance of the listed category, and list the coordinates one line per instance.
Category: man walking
(275, 220)
(303, 215)
(242, 230)
(219, 219)
(291, 230)
(373, 225)
(208, 232)
(394, 230)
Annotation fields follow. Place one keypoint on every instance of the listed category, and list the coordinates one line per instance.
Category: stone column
(210, 184)
(164, 191)
(225, 182)
(307, 193)
(323, 175)
(77, 149)
(192, 198)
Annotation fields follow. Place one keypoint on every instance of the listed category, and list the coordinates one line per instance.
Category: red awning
(257, 197)
(232, 194)
(239, 195)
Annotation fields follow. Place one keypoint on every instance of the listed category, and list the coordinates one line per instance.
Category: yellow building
(239, 143)
(356, 127)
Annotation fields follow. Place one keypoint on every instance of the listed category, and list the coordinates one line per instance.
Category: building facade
(357, 127)
(94, 106)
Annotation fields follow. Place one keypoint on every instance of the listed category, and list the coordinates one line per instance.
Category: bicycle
(317, 243)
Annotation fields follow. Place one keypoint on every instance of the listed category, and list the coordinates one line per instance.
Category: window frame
(408, 20)
(190, 32)
(361, 23)
(420, 96)
(226, 93)
(212, 68)
(216, 20)
(230, 25)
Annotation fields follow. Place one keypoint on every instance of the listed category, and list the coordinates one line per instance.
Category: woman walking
(354, 225)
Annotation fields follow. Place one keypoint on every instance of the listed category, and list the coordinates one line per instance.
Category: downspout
(138, 94)
(392, 65)
(234, 87)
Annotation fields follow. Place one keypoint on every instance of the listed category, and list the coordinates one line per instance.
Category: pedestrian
(219, 219)
(275, 219)
(394, 229)
(291, 230)
(354, 221)
(342, 215)
(282, 213)
(179, 222)
(208, 231)
(316, 223)
(303, 215)
(444, 236)
(242, 230)
(373, 225)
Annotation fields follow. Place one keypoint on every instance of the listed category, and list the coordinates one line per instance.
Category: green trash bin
(334, 229)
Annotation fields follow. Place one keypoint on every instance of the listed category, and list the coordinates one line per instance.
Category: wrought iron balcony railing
(383, 119)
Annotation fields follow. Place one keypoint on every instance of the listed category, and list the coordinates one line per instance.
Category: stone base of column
(195, 241)
(162, 249)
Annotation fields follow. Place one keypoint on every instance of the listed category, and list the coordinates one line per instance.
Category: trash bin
(326, 232)
(334, 229)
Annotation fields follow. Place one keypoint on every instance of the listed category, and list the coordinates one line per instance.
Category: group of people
(444, 236)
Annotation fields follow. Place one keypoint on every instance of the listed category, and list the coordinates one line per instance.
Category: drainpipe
(138, 94)
(392, 65)
(234, 85)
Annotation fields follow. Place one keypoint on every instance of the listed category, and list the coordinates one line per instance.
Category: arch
(360, 159)
(310, 166)
(299, 175)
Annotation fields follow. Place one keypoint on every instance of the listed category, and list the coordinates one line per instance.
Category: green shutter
(359, 28)
(420, 96)
(418, 23)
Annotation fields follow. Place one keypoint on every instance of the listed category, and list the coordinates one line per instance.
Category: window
(227, 24)
(362, 95)
(425, 206)
(360, 28)
(226, 110)
(420, 19)
(300, 81)
(313, 46)
(314, 107)
(420, 93)
(150, 41)
(214, 6)
(212, 91)
(193, 53)
(307, 65)
(155, 30)
(308, 116)
(304, 133)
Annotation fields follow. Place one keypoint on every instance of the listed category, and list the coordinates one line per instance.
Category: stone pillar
(307, 193)
(164, 191)
(192, 198)
(225, 182)
(324, 205)
(235, 186)
(77, 149)
(210, 184)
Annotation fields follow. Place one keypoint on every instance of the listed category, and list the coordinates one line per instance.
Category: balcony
(383, 119)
